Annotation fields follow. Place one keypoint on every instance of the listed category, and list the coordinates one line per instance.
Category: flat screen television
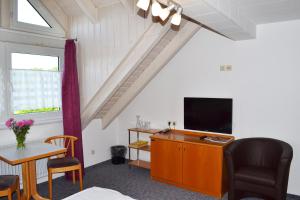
(208, 114)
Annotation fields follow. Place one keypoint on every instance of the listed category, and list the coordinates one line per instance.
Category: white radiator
(41, 169)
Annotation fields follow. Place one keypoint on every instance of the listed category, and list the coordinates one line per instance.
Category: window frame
(40, 118)
(54, 30)
(6, 85)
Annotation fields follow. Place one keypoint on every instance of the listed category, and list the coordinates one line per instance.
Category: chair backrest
(66, 141)
(260, 152)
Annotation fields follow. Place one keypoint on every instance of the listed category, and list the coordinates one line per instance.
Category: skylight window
(28, 14)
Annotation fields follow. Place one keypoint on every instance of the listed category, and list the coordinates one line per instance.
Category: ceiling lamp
(156, 8)
(176, 19)
(143, 4)
(164, 14)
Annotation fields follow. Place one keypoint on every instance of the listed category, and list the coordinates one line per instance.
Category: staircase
(152, 52)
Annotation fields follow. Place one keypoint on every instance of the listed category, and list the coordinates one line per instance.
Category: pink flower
(9, 122)
(28, 122)
(31, 122)
(20, 124)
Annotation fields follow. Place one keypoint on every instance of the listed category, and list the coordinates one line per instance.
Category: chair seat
(6, 181)
(256, 175)
(62, 162)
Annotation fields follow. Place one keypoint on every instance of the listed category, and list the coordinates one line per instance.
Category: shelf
(140, 163)
(143, 148)
(149, 131)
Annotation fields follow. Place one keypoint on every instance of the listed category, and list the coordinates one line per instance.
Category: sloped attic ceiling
(152, 52)
(121, 87)
(236, 19)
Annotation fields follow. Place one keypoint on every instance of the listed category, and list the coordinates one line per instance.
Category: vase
(138, 121)
(21, 141)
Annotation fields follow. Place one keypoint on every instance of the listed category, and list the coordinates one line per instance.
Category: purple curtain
(71, 99)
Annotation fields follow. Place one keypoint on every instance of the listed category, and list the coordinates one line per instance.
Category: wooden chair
(62, 163)
(8, 185)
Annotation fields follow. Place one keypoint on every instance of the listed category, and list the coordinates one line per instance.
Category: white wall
(98, 140)
(102, 46)
(264, 84)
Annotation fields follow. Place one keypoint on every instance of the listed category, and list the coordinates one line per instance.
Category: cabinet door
(166, 160)
(202, 168)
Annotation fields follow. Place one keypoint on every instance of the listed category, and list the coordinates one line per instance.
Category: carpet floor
(134, 182)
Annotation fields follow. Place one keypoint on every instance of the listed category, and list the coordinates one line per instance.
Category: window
(32, 16)
(28, 14)
(36, 83)
(31, 83)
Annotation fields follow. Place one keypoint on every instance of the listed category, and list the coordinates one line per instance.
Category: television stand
(183, 159)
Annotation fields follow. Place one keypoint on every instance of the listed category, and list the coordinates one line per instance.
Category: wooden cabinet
(166, 160)
(202, 168)
(188, 162)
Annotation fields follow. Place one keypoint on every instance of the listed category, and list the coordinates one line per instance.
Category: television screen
(208, 114)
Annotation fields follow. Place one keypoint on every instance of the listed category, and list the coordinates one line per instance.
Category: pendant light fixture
(163, 14)
(143, 4)
(156, 8)
(176, 18)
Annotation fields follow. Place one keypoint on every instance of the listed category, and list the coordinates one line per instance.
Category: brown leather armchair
(258, 167)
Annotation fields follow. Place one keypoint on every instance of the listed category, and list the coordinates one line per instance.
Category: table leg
(29, 181)
(26, 186)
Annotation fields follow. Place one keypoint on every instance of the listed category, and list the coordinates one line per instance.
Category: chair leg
(9, 195)
(80, 179)
(50, 184)
(73, 177)
(18, 191)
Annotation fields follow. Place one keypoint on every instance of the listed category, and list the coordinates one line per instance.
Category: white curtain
(35, 89)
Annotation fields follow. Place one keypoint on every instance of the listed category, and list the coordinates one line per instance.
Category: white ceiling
(256, 11)
(69, 7)
(237, 19)
(267, 11)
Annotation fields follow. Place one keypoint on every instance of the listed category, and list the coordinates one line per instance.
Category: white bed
(96, 193)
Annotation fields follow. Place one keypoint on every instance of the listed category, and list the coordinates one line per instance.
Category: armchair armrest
(231, 156)
(284, 165)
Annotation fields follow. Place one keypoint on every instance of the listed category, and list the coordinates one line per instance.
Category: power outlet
(228, 68)
(93, 152)
(225, 68)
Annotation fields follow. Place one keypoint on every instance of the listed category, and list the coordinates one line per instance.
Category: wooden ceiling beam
(163, 56)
